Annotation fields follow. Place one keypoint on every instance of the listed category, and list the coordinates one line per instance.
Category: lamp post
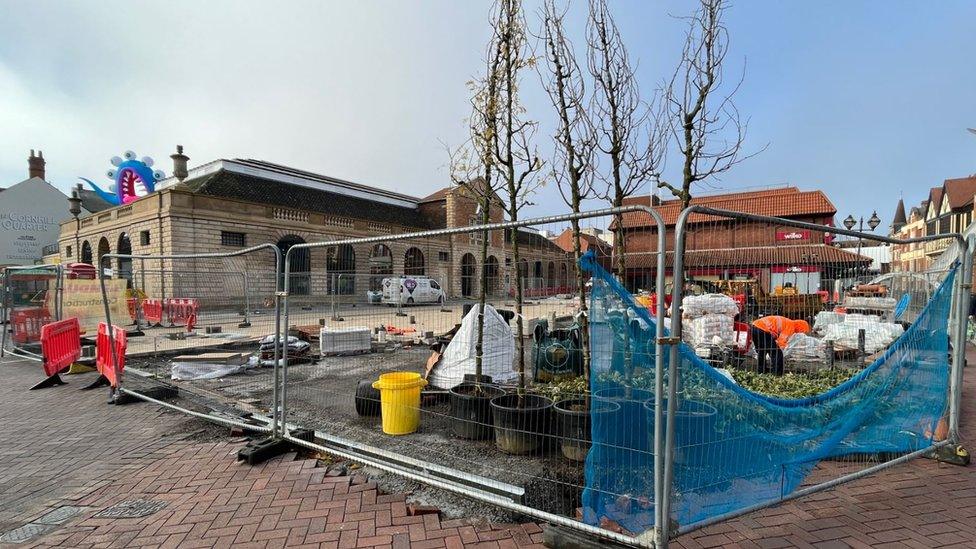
(74, 207)
(873, 223)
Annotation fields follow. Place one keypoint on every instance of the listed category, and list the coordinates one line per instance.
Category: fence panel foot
(50, 381)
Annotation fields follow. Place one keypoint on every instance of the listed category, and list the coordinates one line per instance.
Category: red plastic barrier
(103, 353)
(152, 310)
(60, 345)
(133, 304)
(27, 324)
(179, 311)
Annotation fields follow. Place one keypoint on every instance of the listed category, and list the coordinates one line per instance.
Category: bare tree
(628, 134)
(518, 161)
(703, 119)
(574, 154)
(473, 167)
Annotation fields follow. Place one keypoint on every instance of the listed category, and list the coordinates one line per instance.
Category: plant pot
(574, 424)
(367, 399)
(696, 440)
(520, 429)
(471, 410)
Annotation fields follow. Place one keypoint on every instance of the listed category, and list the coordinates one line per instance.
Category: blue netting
(735, 448)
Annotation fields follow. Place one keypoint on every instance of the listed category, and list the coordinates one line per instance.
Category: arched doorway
(125, 263)
(340, 264)
(380, 266)
(300, 264)
(551, 275)
(468, 269)
(413, 262)
(86, 252)
(103, 248)
(491, 273)
(563, 275)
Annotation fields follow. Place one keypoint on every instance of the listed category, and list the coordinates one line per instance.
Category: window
(67, 251)
(434, 285)
(143, 238)
(443, 256)
(228, 238)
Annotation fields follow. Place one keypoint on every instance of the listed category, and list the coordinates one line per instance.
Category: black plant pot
(471, 410)
(367, 399)
(574, 424)
(521, 429)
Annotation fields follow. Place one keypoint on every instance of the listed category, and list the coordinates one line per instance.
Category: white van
(410, 290)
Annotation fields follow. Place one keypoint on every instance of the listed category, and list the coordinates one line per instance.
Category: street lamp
(873, 223)
(74, 208)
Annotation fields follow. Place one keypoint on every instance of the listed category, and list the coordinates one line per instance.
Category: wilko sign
(792, 236)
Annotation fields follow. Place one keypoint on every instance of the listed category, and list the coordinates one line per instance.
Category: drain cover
(59, 515)
(134, 508)
(25, 533)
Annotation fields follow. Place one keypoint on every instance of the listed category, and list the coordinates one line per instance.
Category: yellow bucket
(400, 401)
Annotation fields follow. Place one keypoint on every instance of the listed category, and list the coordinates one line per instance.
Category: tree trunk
(482, 294)
(581, 293)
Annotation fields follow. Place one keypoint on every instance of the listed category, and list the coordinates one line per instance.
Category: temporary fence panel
(30, 298)
(836, 385)
(395, 339)
(205, 325)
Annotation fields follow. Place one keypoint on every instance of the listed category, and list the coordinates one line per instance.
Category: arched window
(413, 262)
(380, 266)
(551, 275)
(491, 273)
(468, 269)
(103, 248)
(300, 264)
(86, 252)
(563, 275)
(125, 263)
(340, 263)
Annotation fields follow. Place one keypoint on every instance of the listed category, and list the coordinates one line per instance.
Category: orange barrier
(103, 354)
(180, 311)
(27, 324)
(152, 311)
(133, 303)
(60, 347)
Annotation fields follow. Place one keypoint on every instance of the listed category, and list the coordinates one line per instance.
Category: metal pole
(674, 342)
(247, 299)
(109, 328)
(283, 329)
(6, 313)
(964, 286)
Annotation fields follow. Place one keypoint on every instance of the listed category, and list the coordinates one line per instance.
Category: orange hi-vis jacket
(780, 327)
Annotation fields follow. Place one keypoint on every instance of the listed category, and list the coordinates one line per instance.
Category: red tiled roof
(784, 202)
(960, 191)
(809, 254)
(935, 198)
(440, 194)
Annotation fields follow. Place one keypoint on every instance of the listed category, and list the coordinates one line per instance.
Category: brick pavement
(65, 447)
(142, 452)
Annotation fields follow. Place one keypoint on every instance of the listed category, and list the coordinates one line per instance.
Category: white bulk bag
(498, 349)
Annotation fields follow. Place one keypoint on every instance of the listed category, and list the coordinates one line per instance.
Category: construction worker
(770, 334)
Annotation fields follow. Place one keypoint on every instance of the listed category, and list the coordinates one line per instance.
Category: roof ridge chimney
(35, 165)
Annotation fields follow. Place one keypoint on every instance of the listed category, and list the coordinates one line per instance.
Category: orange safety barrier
(103, 355)
(27, 324)
(152, 311)
(133, 304)
(60, 347)
(180, 311)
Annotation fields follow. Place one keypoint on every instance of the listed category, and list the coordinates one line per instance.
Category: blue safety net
(735, 448)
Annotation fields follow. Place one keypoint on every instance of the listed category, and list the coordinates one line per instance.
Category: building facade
(724, 249)
(228, 205)
(948, 208)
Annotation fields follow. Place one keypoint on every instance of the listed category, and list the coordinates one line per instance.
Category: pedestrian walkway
(76, 472)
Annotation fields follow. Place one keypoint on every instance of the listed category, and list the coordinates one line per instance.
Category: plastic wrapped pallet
(826, 318)
(877, 335)
(347, 340)
(709, 304)
(709, 329)
(878, 303)
(803, 347)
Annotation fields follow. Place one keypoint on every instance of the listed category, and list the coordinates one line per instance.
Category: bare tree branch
(703, 119)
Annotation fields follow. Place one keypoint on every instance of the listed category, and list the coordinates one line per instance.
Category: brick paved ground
(63, 447)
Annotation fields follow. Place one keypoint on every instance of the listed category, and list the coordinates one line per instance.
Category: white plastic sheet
(498, 350)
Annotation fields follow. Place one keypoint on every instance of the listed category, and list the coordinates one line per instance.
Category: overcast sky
(865, 100)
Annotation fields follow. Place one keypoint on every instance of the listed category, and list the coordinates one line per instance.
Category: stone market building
(227, 205)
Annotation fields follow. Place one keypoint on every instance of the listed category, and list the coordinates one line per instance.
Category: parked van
(410, 290)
